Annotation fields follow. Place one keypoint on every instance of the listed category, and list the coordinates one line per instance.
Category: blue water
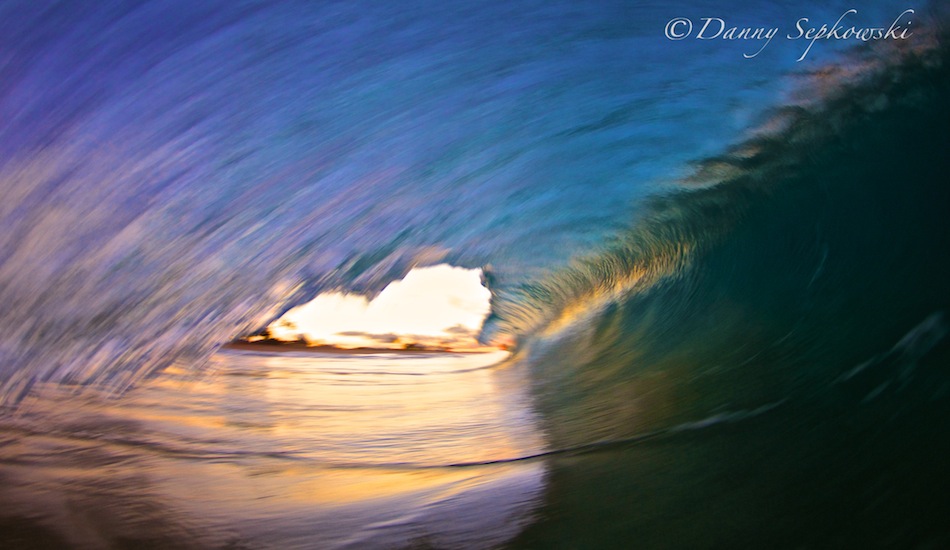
(725, 277)
(175, 176)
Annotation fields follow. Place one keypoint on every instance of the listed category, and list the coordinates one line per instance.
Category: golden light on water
(293, 450)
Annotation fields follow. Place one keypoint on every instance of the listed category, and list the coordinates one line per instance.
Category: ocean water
(302, 450)
(725, 278)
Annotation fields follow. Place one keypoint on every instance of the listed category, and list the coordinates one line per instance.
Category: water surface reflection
(288, 450)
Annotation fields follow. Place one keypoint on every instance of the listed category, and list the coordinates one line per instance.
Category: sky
(431, 305)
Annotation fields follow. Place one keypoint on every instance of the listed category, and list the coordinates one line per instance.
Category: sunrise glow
(440, 306)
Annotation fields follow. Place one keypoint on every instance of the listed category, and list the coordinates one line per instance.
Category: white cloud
(427, 302)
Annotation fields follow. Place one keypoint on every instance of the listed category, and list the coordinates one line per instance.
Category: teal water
(796, 367)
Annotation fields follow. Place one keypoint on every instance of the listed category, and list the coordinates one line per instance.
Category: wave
(167, 192)
(175, 175)
(674, 227)
(755, 343)
(776, 268)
